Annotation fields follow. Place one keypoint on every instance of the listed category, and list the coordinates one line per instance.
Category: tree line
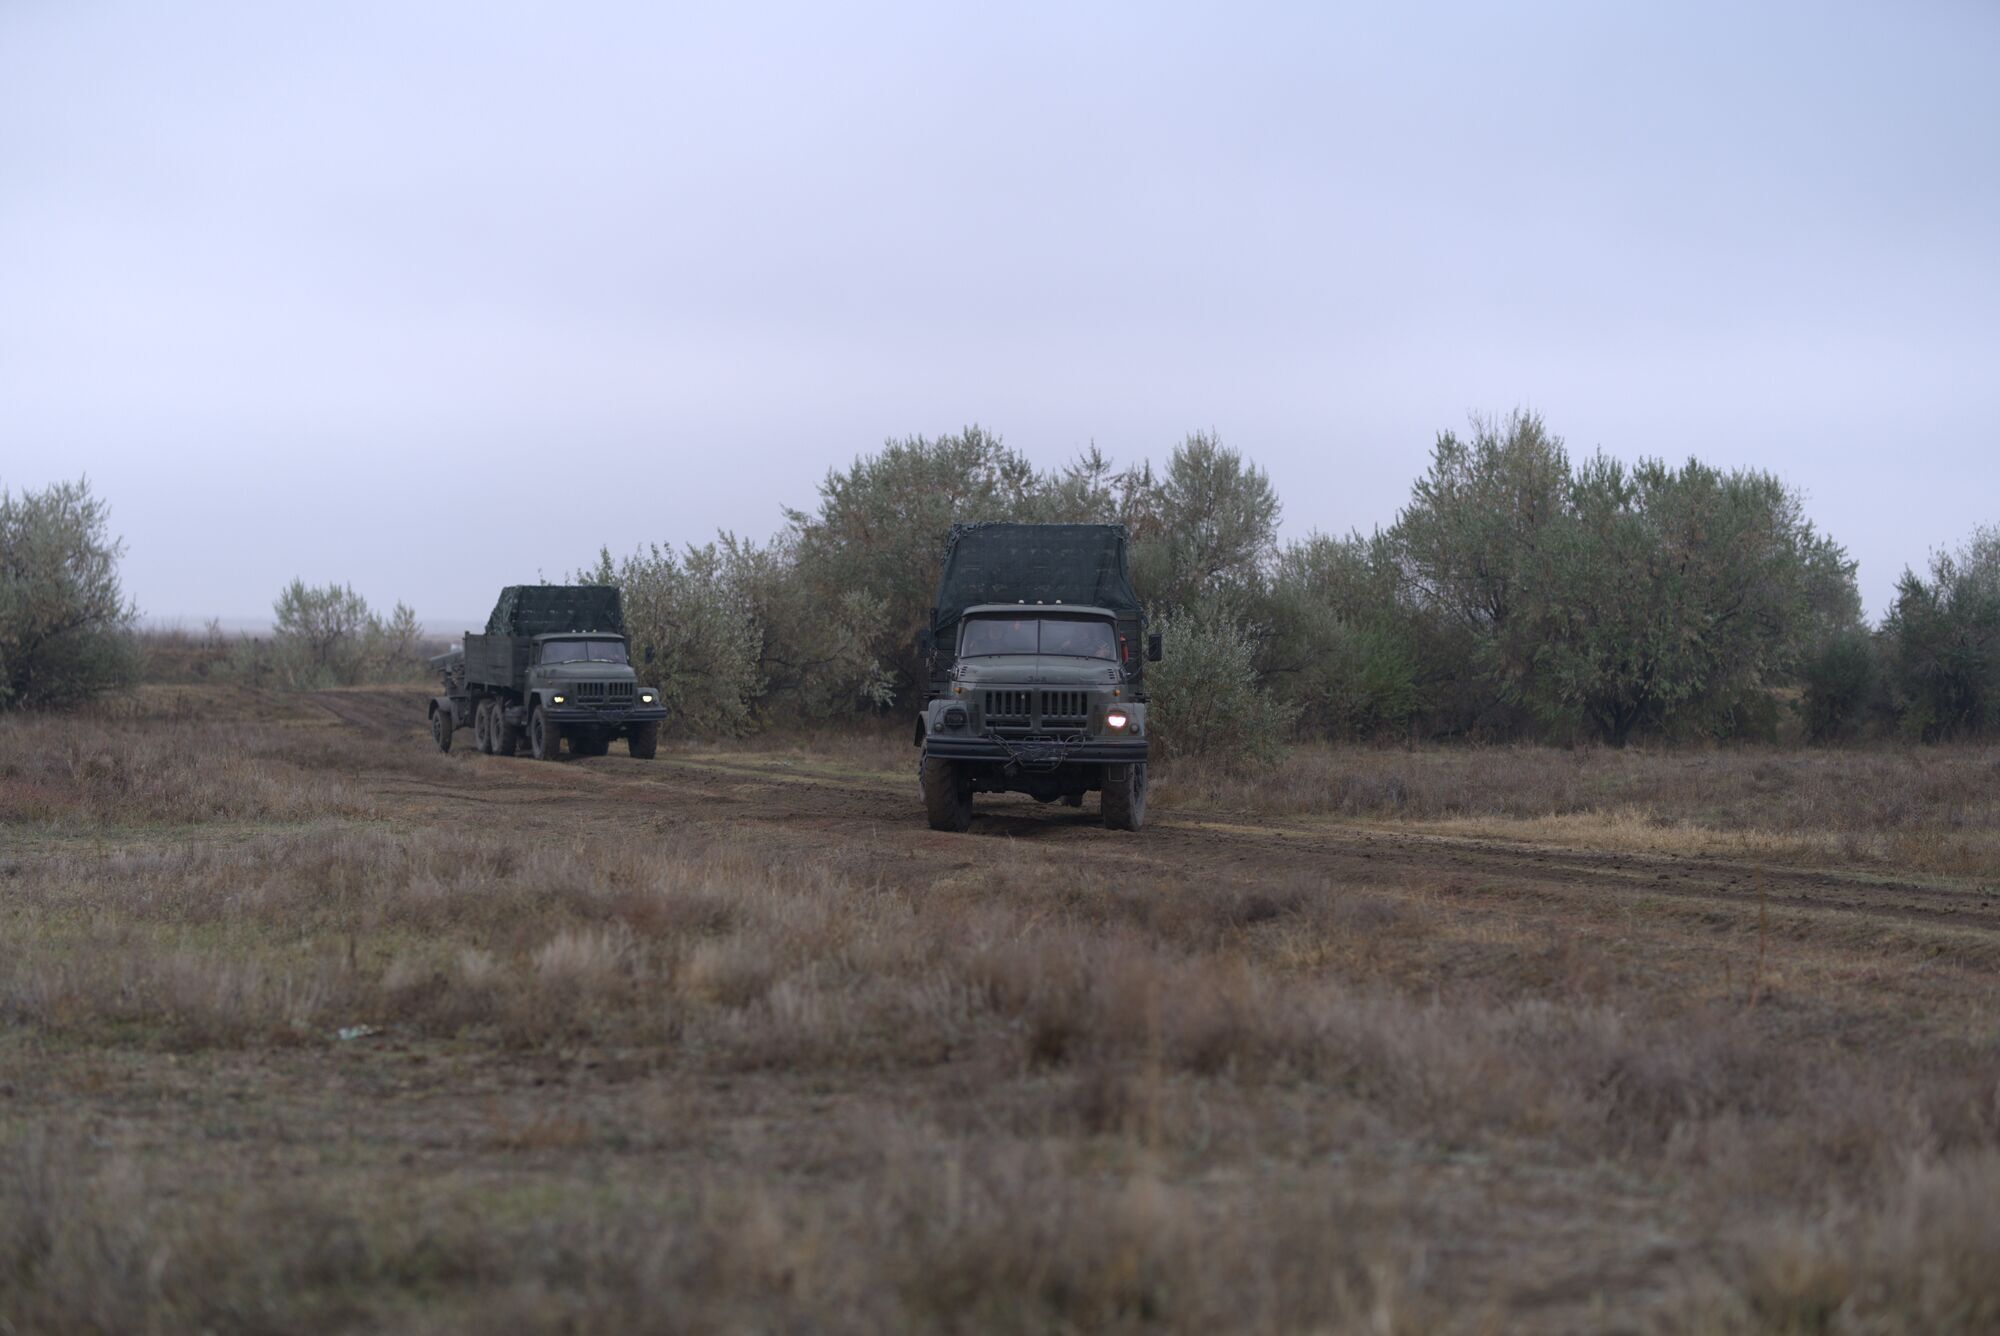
(1519, 594)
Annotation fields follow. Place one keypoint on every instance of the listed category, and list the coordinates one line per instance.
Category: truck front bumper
(1036, 752)
(589, 715)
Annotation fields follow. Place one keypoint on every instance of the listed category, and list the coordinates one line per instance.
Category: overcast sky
(431, 297)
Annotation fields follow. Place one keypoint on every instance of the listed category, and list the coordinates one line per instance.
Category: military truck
(553, 664)
(1036, 683)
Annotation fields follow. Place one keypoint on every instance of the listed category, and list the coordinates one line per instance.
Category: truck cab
(1039, 699)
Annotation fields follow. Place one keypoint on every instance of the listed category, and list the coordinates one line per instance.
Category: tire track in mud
(801, 796)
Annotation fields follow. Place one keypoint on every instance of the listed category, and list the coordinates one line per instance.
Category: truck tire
(441, 728)
(1124, 799)
(947, 795)
(506, 736)
(482, 726)
(545, 736)
(644, 740)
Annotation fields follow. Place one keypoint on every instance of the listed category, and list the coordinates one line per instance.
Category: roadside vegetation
(1521, 596)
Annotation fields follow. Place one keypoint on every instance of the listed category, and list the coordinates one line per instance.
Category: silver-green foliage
(65, 625)
(690, 608)
(1337, 646)
(1942, 643)
(1207, 699)
(327, 635)
(1612, 600)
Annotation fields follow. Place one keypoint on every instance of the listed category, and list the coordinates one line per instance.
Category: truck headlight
(646, 698)
(556, 699)
(1117, 719)
(954, 717)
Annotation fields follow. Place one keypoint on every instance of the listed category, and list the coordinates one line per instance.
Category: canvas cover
(537, 610)
(1034, 563)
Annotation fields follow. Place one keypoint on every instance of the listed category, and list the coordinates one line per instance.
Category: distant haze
(431, 298)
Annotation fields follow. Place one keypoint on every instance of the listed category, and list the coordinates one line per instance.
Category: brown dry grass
(731, 1041)
(1931, 809)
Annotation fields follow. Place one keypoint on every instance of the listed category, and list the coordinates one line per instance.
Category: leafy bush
(326, 635)
(65, 626)
(691, 611)
(1943, 643)
(1206, 698)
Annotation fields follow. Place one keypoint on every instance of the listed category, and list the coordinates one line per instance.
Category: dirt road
(1924, 947)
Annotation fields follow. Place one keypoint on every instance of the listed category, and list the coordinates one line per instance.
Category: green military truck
(553, 664)
(1036, 682)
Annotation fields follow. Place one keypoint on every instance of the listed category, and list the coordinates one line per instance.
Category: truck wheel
(644, 740)
(506, 736)
(545, 735)
(482, 726)
(947, 795)
(1125, 796)
(441, 728)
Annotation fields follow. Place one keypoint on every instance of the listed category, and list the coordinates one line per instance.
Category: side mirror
(649, 654)
(1155, 647)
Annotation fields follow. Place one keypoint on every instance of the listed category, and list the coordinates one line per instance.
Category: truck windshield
(580, 651)
(1039, 635)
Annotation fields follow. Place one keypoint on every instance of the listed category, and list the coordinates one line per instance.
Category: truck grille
(1065, 709)
(1009, 709)
(1037, 711)
(602, 693)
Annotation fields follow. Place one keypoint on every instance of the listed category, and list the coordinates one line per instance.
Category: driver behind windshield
(1082, 640)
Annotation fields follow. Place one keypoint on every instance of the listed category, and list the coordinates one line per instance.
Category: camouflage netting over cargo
(535, 610)
(1034, 563)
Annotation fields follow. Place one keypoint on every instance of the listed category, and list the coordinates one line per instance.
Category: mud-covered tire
(947, 794)
(482, 726)
(442, 728)
(506, 736)
(1124, 799)
(644, 740)
(545, 736)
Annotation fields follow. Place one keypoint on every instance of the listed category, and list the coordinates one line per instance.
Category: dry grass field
(307, 1027)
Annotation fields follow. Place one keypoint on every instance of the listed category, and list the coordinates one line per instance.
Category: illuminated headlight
(557, 699)
(646, 697)
(1117, 719)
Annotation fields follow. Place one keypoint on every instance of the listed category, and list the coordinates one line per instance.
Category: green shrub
(1839, 680)
(1206, 699)
(327, 636)
(65, 627)
(699, 622)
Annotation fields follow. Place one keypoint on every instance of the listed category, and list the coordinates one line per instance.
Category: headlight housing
(954, 717)
(645, 698)
(555, 700)
(1117, 719)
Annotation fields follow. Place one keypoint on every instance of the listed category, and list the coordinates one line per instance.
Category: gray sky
(431, 298)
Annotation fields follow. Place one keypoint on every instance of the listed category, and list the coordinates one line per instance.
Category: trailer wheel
(441, 728)
(482, 726)
(644, 740)
(947, 794)
(506, 736)
(1124, 800)
(545, 735)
